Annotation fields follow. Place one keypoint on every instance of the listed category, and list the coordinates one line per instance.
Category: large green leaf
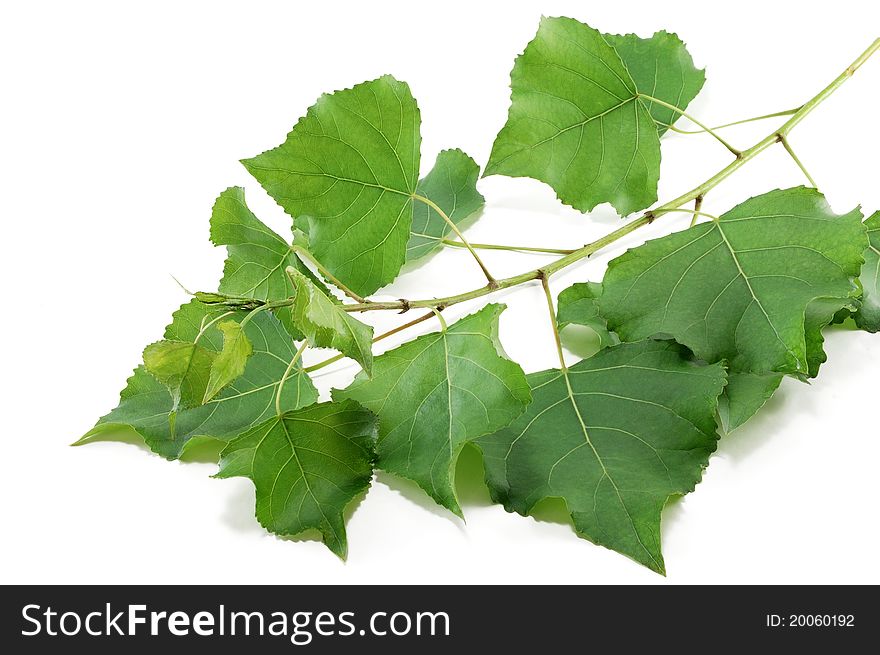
(576, 122)
(327, 325)
(868, 315)
(451, 184)
(615, 437)
(739, 289)
(306, 465)
(351, 165)
(147, 408)
(257, 256)
(578, 305)
(662, 68)
(436, 393)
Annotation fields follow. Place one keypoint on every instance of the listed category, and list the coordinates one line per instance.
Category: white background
(121, 122)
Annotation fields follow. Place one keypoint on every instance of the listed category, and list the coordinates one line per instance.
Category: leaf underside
(753, 288)
(578, 305)
(436, 393)
(867, 317)
(615, 437)
(743, 396)
(307, 466)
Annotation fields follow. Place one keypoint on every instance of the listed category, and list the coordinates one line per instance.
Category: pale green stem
(546, 285)
(384, 335)
(718, 137)
(293, 361)
(788, 149)
(309, 257)
(777, 114)
(433, 205)
(493, 246)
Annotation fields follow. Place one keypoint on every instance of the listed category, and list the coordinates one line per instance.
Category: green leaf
(351, 165)
(231, 361)
(436, 393)
(743, 396)
(661, 68)
(257, 256)
(615, 437)
(739, 289)
(306, 466)
(867, 317)
(146, 406)
(578, 305)
(576, 122)
(327, 325)
(452, 184)
(183, 367)
(820, 313)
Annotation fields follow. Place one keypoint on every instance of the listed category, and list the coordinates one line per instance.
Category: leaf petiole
(433, 205)
(776, 114)
(549, 296)
(384, 335)
(493, 246)
(308, 257)
(296, 357)
(788, 149)
(709, 130)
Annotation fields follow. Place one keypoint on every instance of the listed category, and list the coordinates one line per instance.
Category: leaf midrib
(605, 472)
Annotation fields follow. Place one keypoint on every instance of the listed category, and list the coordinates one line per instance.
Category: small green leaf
(436, 393)
(578, 305)
(452, 184)
(739, 289)
(868, 315)
(182, 367)
(147, 408)
(576, 122)
(231, 361)
(257, 256)
(351, 166)
(326, 325)
(307, 466)
(661, 68)
(614, 437)
(743, 396)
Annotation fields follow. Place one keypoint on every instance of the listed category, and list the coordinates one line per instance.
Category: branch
(647, 218)
(585, 251)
